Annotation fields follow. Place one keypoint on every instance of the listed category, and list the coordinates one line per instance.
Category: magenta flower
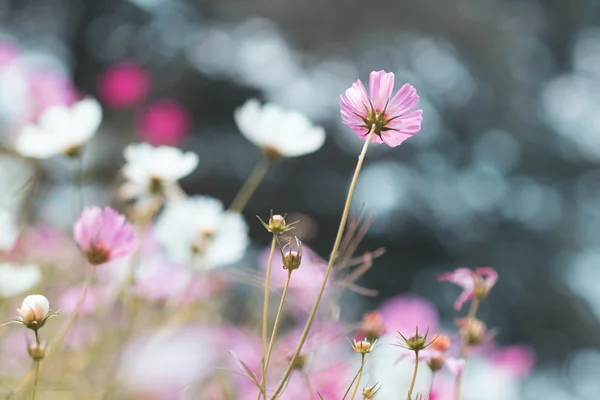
(476, 283)
(124, 85)
(394, 118)
(104, 235)
(164, 122)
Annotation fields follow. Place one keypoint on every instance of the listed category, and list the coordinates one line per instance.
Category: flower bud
(473, 331)
(370, 392)
(34, 311)
(441, 343)
(416, 342)
(362, 346)
(299, 362)
(372, 326)
(37, 351)
(291, 255)
(435, 364)
(277, 224)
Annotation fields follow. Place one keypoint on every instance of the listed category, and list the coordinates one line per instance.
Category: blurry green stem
(265, 316)
(334, 251)
(360, 372)
(464, 347)
(36, 367)
(277, 318)
(250, 186)
(414, 378)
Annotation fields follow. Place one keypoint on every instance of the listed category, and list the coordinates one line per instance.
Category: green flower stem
(265, 318)
(414, 377)
(334, 251)
(464, 347)
(250, 186)
(360, 372)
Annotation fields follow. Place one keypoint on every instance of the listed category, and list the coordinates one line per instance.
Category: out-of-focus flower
(60, 130)
(403, 313)
(372, 326)
(199, 231)
(518, 360)
(37, 351)
(395, 118)
(475, 284)
(95, 297)
(34, 311)
(49, 87)
(278, 132)
(8, 231)
(124, 85)
(455, 365)
(441, 343)
(164, 122)
(154, 171)
(16, 279)
(104, 235)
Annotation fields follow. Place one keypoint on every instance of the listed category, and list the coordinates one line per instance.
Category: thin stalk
(414, 378)
(334, 251)
(265, 317)
(360, 372)
(60, 336)
(250, 186)
(277, 319)
(463, 348)
(36, 368)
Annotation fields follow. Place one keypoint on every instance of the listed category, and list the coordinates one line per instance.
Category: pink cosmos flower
(104, 235)
(475, 283)
(124, 85)
(394, 118)
(165, 122)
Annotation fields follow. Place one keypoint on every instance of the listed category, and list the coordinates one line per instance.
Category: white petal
(17, 279)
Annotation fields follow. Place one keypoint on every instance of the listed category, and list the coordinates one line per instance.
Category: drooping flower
(104, 235)
(475, 284)
(60, 130)
(154, 171)
(124, 85)
(16, 279)
(394, 118)
(199, 230)
(277, 131)
(34, 311)
(164, 122)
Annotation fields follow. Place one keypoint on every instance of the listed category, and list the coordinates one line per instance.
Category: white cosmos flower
(17, 279)
(198, 230)
(60, 130)
(150, 169)
(8, 231)
(278, 131)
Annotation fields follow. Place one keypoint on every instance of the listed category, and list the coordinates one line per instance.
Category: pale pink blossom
(124, 85)
(475, 283)
(164, 122)
(404, 313)
(518, 360)
(104, 235)
(34, 309)
(394, 118)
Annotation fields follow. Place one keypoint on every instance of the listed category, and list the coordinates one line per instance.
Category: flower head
(370, 392)
(198, 230)
(104, 235)
(278, 132)
(416, 342)
(472, 330)
(475, 284)
(363, 346)
(34, 311)
(372, 326)
(154, 171)
(164, 122)
(394, 119)
(60, 130)
(277, 224)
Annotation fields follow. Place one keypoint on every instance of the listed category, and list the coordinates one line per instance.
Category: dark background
(504, 173)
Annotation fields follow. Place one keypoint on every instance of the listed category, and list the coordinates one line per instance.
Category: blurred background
(504, 173)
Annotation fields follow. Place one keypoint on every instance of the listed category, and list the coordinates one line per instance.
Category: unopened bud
(362, 346)
(277, 224)
(441, 343)
(299, 362)
(34, 311)
(291, 254)
(416, 342)
(435, 364)
(37, 351)
(473, 330)
(370, 391)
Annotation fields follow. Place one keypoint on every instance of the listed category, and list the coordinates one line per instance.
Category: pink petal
(404, 101)
(381, 85)
(393, 138)
(489, 275)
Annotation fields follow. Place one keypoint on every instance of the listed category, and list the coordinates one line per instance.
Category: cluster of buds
(363, 346)
(372, 326)
(416, 342)
(291, 254)
(277, 224)
(472, 330)
(370, 391)
(439, 346)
